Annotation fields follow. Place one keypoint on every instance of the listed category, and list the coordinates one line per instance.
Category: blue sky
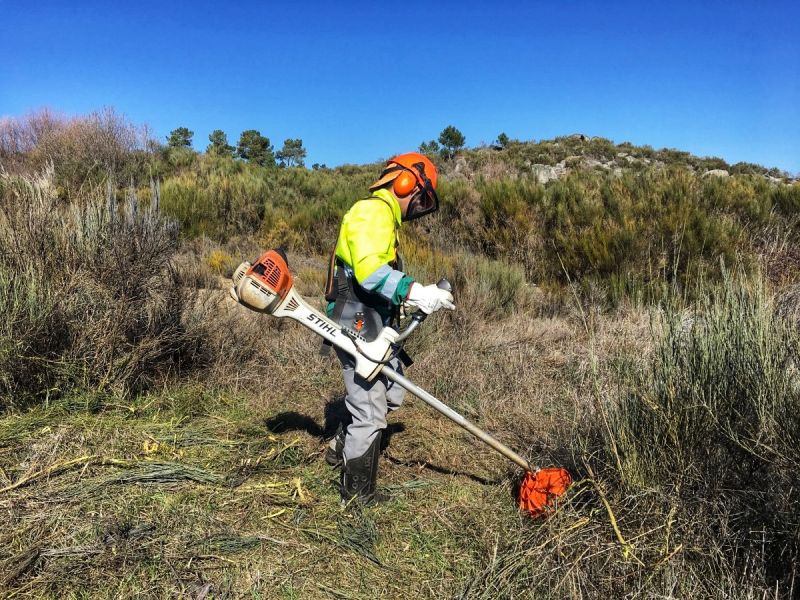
(360, 81)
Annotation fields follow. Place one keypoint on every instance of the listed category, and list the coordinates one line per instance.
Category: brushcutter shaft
(448, 412)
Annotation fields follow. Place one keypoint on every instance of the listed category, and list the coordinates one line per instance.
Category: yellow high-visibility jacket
(368, 245)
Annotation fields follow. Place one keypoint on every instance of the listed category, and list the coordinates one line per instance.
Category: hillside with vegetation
(629, 313)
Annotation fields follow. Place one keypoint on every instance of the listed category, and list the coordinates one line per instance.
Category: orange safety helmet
(409, 172)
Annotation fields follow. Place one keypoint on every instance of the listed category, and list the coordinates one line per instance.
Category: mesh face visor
(426, 201)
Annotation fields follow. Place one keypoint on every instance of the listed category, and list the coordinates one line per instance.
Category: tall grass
(643, 217)
(687, 463)
(89, 297)
(714, 422)
(622, 236)
(217, 205)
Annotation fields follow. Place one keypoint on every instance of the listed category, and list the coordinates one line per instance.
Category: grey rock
(591, 163)
(547, 173)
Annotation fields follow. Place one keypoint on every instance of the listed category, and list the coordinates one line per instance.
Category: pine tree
(255, 148)
(452, 141)
(431, 147)
(219, 144)
(292, 154)
(180, 138)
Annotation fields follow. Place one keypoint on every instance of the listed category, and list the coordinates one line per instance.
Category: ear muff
(404, 184)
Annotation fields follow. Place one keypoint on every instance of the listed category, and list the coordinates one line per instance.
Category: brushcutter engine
(267, 287)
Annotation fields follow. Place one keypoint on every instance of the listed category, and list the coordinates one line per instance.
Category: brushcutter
(267, 286)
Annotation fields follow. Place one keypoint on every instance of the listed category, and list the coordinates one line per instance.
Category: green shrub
(84, 150)
(787, 198)
(641, 226)
(745, 168)
(223, 198)
(180, 157)
(748, 198)
(628, 233)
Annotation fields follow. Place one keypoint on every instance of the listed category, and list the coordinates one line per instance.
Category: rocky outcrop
(546, 173)
(578, 152)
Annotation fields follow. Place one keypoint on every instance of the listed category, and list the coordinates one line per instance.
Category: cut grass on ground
(188, 490)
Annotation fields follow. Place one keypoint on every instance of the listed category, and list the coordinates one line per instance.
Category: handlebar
(419, 316)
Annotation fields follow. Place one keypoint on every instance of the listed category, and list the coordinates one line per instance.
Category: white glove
(429, 298)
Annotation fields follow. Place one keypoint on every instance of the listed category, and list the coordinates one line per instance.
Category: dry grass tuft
(90, 297)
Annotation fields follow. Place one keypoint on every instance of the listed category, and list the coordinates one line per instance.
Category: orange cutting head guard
(539, 490)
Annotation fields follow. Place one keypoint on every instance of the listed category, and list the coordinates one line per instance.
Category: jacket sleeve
(371, 240)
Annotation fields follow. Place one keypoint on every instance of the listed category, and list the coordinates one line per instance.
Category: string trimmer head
(539, 489)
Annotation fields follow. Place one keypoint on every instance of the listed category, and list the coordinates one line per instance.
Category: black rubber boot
(333, 456)
(359, 476)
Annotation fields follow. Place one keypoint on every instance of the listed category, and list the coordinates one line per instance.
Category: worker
(367, 286)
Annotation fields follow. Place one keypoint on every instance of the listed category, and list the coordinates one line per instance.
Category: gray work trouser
(368, 402)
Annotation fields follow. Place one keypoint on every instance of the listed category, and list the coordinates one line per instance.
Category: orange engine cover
(271, 269)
